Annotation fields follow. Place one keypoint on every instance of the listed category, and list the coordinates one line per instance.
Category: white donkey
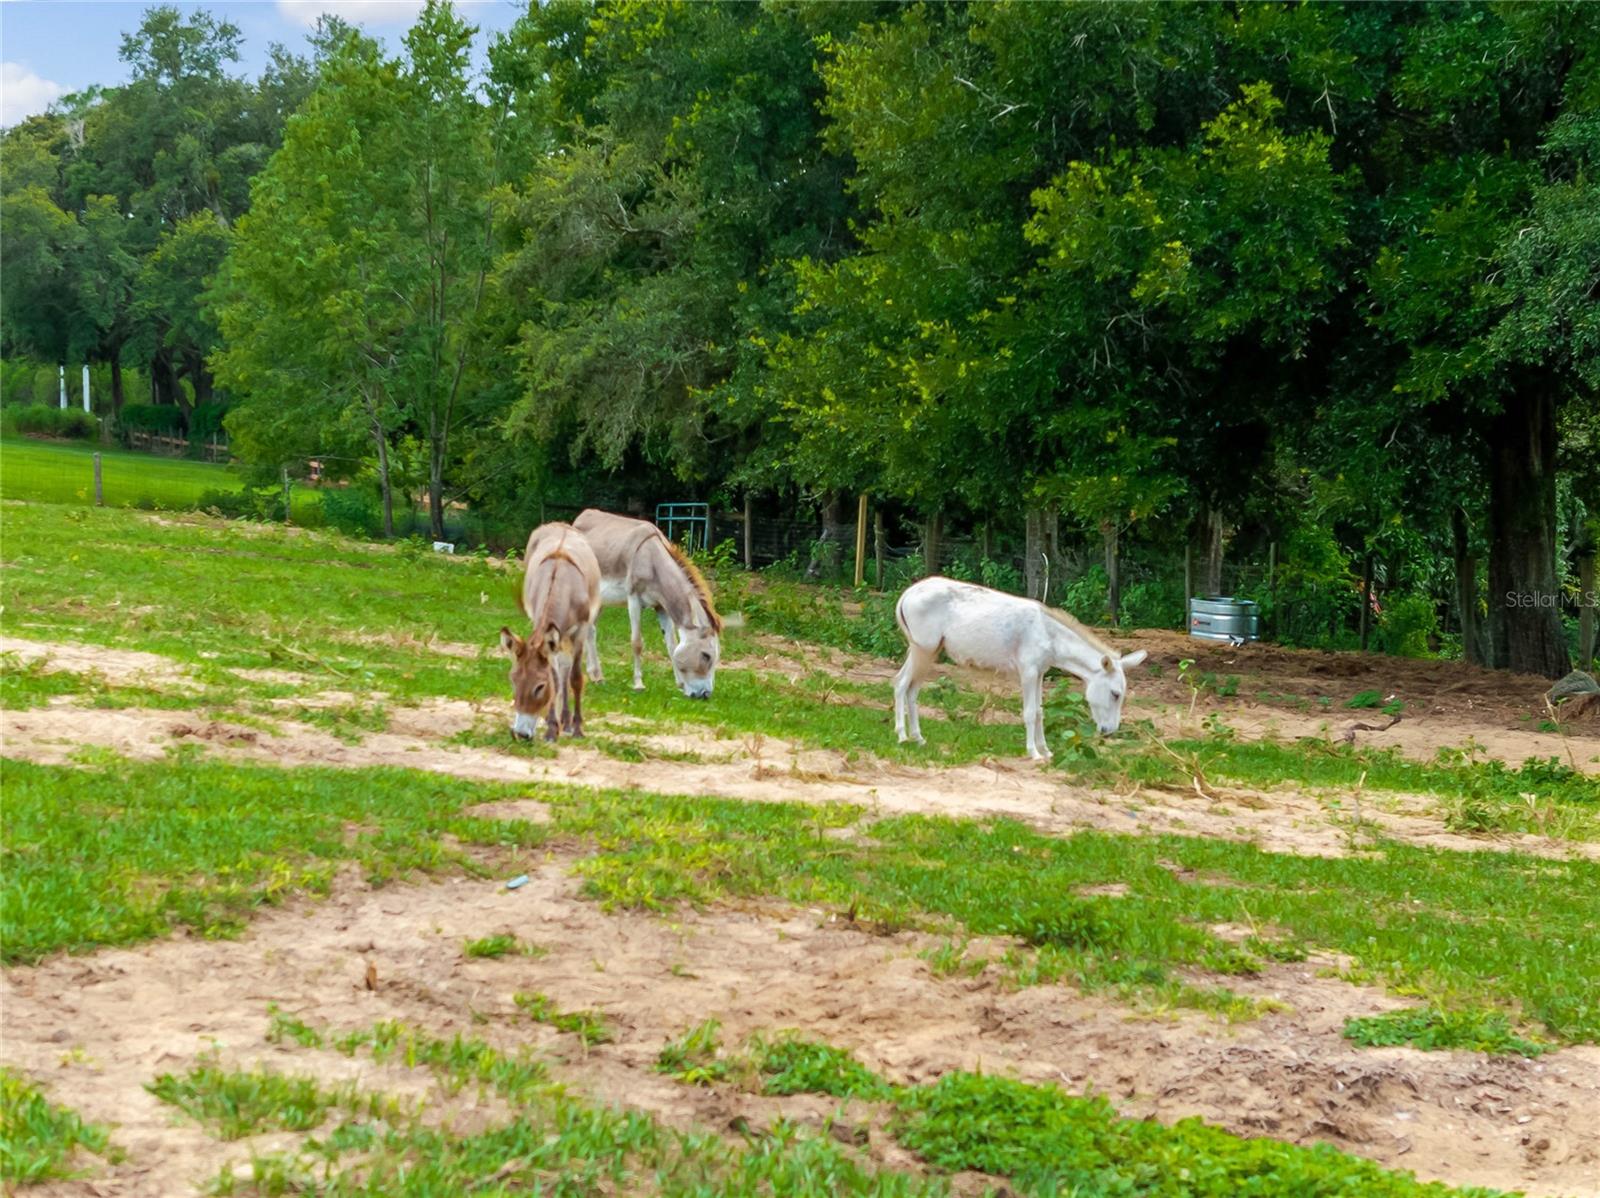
(976, 626)
(639, 566)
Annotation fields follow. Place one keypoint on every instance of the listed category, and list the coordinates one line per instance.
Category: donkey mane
(696, 580)
(1072, 624)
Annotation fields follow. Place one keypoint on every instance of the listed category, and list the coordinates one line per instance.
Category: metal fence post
(99, 492)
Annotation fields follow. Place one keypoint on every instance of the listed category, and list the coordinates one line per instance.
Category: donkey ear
(552, 642)
(1105, 664)
(1129, 660)
(510, 642)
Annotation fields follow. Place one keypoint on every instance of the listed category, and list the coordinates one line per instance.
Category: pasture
(262, 806)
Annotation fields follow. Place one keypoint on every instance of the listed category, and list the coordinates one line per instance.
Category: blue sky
(51, 47)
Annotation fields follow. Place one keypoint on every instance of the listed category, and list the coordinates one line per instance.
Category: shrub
(1407, 624)
(354, 511)
(251, 503)
(38, 420)
(162, 419)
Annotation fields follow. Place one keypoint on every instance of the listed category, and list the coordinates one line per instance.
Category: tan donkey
(561, 596)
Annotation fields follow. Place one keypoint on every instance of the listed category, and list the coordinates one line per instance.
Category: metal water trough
(1224, 618)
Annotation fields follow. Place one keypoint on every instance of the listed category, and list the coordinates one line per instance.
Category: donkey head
(533, 685)
(694, 661)
(1105, 689)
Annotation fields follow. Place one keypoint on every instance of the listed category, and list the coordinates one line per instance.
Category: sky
(51, 47)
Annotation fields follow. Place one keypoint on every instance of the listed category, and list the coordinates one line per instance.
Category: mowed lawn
(63, 472)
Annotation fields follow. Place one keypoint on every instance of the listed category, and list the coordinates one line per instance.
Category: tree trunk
(387, 491)
(826, 559)
(1033, 555)
(1213, 551)
(1057, 569)
(436, 501)
(1108, 533)
(878, 545)
(1467, 590)
(1366, 600)
(116, 385)
(1524, 612)
(932, 542)
(1588, 600)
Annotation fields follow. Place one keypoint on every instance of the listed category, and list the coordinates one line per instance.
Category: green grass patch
(234, 1103)
(142, 848)
(696, 1057)
(39, 1140)
(1039, 1140)
(588, 1026)
(1431, 1029)
(1342, 769)
(791, 1065)
(497, 945)
(1478, 929)
(55, 473)
(1048, 1142)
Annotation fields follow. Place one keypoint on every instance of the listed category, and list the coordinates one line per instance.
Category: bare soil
(1284, 820)
(94, 1030)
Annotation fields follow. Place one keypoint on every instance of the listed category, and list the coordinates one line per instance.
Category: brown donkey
(561, 596)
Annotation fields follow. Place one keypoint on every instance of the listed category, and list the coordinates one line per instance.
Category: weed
(1430, 1028)
(288, 1027)
(790, 1065)
(38, 1139)
(497, 945)
(696, 1056)
(588, 1026)
(237, 1103)
(1048, 1142)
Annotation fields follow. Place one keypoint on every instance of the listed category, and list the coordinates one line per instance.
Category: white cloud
(22, 93)
(357, 12)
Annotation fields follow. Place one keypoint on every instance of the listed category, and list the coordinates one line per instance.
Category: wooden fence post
(99, 492)
(749, 532)
(861, 541)
(286, 495)
(877, 543)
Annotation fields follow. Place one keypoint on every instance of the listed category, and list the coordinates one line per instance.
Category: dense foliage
(1135, 277)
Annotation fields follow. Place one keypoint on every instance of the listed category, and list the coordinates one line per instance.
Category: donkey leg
(1033, 714)
(577, 704)
(669, 634)
(591, 653)
(635, 613)
(907, 684)
(901, 693)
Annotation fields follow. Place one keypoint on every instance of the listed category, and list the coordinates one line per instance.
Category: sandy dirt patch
(760, 769)
(122, 667)
(94, 1030)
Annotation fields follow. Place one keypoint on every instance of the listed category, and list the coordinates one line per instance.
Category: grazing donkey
(976, 626)
(561, 596)
(639, 566)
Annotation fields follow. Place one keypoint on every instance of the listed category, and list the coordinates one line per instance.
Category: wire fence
(1155, 584)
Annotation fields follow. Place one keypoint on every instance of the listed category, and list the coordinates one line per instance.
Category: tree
(357, 278)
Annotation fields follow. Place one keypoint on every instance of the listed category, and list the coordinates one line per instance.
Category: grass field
(63, 472)
(277, 759)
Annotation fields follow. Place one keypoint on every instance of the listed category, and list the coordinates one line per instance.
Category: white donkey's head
(1105, 689)
(694, 661)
